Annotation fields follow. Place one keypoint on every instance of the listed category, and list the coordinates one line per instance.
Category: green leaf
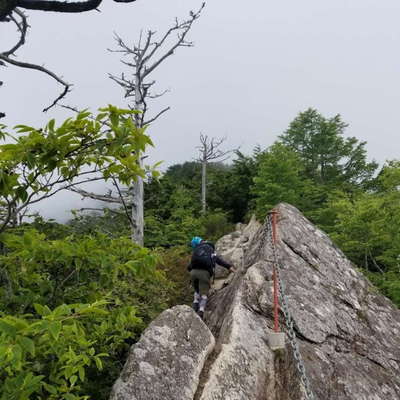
(62, 310)
(42, 310)
(50, 388)
(81, 372)
(99, 363)
(24, 128)
(55, 329)
(73, 379)
(28, 345)
(50, 125)
(7, 328)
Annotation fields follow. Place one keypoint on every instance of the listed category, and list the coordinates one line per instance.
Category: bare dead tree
(10, 12)
(143, 58)
(209, 150)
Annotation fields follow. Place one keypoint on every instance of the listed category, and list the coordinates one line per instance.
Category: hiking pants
(200, 281)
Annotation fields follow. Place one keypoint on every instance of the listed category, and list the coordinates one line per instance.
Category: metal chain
(291, 334)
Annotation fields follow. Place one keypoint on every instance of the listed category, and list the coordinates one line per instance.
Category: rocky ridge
(348, 334)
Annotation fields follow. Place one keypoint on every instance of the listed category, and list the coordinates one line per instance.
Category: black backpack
(202, 257)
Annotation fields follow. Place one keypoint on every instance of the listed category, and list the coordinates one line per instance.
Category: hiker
(201, 269)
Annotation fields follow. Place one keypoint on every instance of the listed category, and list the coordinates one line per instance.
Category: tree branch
(142, 55)
(123, 202)
(59, 6)
(22, 27)
(185, 27)
(158, 115)
(29, 201)
(209, 149)
(20, 64)
(94, 196)
(99, 209)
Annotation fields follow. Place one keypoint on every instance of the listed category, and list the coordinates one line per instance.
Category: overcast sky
(254, 66)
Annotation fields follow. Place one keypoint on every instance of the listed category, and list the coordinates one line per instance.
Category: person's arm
(224, 264)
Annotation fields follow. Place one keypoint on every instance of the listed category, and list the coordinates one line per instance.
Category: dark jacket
(214, 259)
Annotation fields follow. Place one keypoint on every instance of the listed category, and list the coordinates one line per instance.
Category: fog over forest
(251, 70)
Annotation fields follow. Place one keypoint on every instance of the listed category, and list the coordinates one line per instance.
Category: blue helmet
(196, 241)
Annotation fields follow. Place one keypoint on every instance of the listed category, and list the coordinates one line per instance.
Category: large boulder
(348, 335)
(167, 361)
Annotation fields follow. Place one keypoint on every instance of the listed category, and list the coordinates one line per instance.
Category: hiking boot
(195, 307)
(201, 314)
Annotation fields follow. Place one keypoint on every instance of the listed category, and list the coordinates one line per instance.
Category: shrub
(71, 308)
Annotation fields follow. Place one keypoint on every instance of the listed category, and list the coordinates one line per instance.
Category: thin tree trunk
(203, 185)
(137, 212)
(375, 263)
(138, 192)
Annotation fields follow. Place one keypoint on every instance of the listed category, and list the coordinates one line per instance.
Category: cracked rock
(167, 361)
(347, 333)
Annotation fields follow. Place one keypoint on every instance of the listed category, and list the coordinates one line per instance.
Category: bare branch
(209, 149)
(148, 44)
(126, 84)
(184, 27)
(75, 110)
(158, 115)
(22, 27)
(61, 96)
(20, 64)
(127, 214)
(141, 54)
(157, 95)
(51, 5)
(50, 186)
(106, 198)
(99, 209)
(59, 6)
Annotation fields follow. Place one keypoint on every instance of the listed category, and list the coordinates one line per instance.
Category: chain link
(290, 323)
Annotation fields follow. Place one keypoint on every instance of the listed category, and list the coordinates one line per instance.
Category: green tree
(329, 158)
(182, 223)
(41, 162)
(187, 173)
(239, 197)
(388, 179)
(366, 226)
(280, 177)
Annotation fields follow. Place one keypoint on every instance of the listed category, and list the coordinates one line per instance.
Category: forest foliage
(75, 296)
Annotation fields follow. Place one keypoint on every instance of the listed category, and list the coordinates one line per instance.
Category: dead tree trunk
(209, 151)
(203, 184)
(137, 188)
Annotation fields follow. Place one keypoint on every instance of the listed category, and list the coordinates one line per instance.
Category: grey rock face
(348, 334)
(232, 247)
(166, 362)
